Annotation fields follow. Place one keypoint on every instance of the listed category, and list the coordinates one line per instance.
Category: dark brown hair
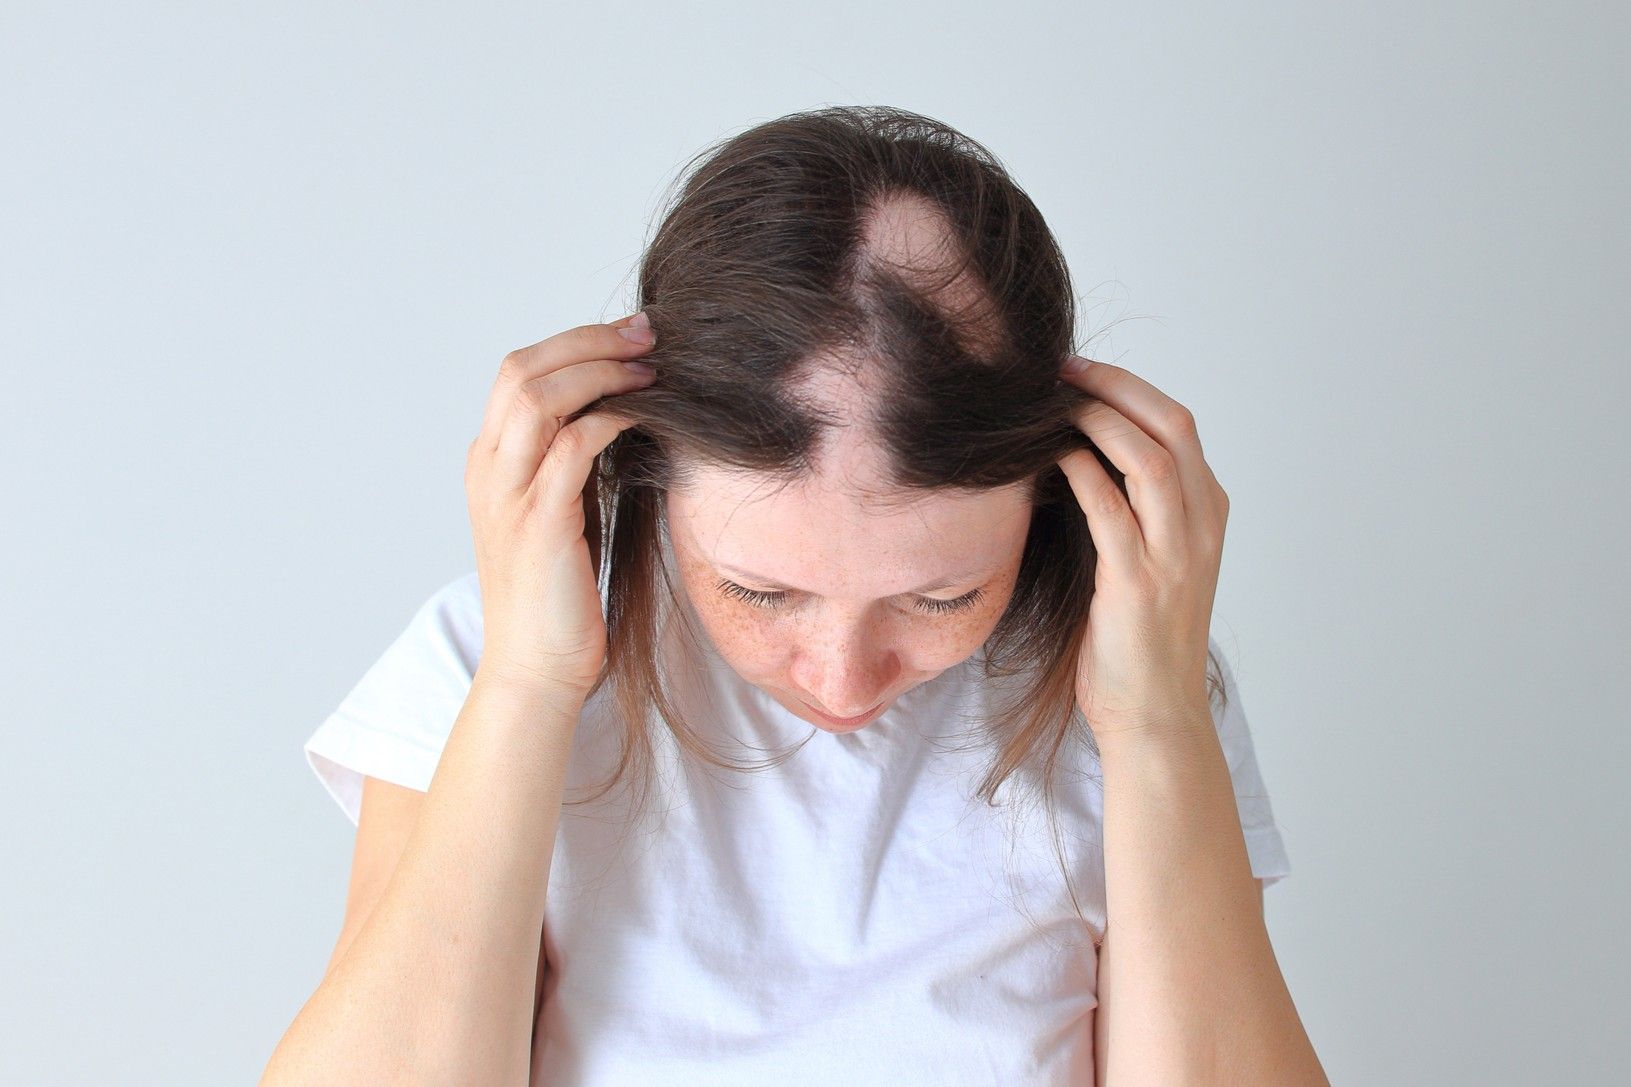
(761, 271)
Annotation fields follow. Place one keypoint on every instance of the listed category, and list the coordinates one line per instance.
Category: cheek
(937, 642)
(741, 636)
(947, 640)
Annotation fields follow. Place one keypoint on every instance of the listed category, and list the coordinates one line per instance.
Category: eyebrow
(939, 583)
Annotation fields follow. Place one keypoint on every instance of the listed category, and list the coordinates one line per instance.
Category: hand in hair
(1142, 663)
(525, 478)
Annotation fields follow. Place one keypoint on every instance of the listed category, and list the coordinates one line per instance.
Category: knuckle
(535, 397)
(513, 364)
(1157, 465)
(1108, 500)
(1097, 411)
(568, 442)
(1181, 420)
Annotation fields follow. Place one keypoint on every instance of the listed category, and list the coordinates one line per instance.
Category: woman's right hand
(524, 482)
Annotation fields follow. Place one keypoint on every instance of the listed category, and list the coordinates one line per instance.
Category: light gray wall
(258, 269)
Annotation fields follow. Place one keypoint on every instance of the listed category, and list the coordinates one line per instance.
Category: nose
(844, 675)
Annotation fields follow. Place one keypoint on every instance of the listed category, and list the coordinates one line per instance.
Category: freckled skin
(849, 634)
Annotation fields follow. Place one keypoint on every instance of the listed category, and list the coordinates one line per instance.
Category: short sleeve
(1265, 844)
(394, 723)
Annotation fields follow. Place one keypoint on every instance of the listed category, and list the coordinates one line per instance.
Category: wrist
(1181, 727)
(526, 687)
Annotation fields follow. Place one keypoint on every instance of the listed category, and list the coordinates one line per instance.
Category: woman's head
(860, 320)
(830, 582)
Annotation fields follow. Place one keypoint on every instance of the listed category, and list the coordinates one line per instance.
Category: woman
(852, 484)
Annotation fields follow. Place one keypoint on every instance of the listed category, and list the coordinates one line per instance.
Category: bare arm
(439, 983)
(1189, 990)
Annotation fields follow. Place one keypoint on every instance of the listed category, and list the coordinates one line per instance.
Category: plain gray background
(259, 267)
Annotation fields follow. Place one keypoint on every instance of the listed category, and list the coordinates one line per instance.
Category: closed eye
(772, 601)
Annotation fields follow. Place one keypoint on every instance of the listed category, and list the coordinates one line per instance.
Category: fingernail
(640, 368)
(638, 330)
(1075, 364)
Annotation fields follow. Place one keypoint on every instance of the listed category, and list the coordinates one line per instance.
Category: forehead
(824, 535)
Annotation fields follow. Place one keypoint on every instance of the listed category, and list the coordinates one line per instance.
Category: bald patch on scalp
(909, 235)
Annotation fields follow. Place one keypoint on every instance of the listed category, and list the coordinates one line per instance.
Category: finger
(1162, 417)
(580, 344)
(571, 457)
(538, 407)
(1110, 521)
(1152, 480)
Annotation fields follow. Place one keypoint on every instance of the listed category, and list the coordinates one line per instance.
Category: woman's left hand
(1143, 659)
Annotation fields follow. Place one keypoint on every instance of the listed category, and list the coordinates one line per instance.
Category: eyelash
(761, 599)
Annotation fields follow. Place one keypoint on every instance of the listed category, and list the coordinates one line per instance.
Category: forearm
(438, 985)
(1196, 995)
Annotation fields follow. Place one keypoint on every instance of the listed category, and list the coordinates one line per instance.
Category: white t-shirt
(852, 916)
